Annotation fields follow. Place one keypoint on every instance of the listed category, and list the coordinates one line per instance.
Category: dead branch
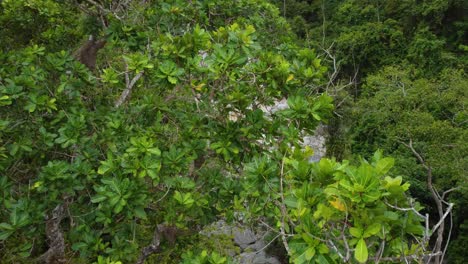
(440, 226)
(128, 85)
(449, 191)
(441, 221)
(335, 66)
(406, 210)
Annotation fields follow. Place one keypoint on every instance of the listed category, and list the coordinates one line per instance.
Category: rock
(250, 243)
(317, 142)
(244, 238)
(256, 258)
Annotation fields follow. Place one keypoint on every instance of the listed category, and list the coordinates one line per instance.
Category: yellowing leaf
(337, 204)
(290, 77)
(199, 87)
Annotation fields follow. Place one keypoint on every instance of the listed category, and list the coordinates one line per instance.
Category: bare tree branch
(438, 201)
(406, 209)
(408, 257)
(332, 245)
(449, 191)
(129, 85)
(441, 221)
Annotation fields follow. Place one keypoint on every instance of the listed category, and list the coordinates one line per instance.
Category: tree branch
(438, 201)
(129, 86)
(406, 258)
(406, 210)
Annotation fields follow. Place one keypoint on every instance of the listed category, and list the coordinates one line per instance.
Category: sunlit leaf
(361, 253)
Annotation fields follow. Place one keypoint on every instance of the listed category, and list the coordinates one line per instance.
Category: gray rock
(257, 246)
(257, 258)
(244, 238)
(251, 243)
(317, 142)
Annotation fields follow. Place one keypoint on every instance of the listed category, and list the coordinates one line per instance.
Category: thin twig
(406, 258)
(448, 239)
(449, 191)
(283, 211)
(160, 199)
(406, 209)
(269, 243)
(381, 247)
(330, 242)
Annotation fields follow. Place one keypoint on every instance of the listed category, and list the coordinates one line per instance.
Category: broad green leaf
(384, 165)
(178, 196)
(309, 253)
(372, 230)
(391, 215)
(118, 208)
(98, 198)
(361, 253)
(415, 229)
(140, 212)
(291, 201)
(393, 181)
(356, 232)
(155, 151)
(6, 226)
(79, 245)
(371, 196)
(5, 234)
(316, 116)
(172, 79)
(114, 200)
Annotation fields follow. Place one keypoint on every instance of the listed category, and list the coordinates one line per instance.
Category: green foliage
(189, 146)
(367, 35)
(396, 108)
(171, 154)
(203, 258)
(399, 55)
(355, 199)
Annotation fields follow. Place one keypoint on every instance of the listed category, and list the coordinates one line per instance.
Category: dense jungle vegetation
(129, 126)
